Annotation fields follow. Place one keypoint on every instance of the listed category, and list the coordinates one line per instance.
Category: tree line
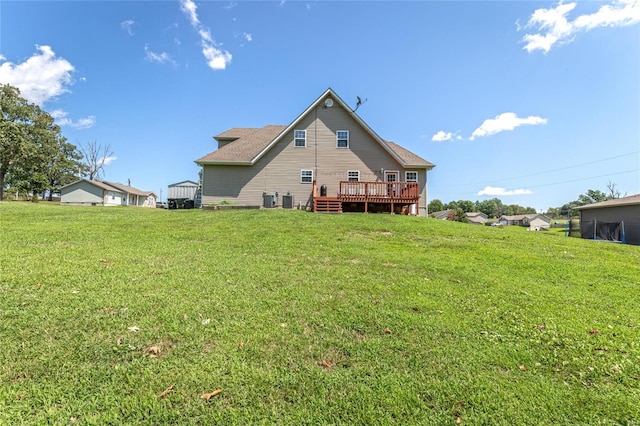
(35, 158)
(568, 210)
(493, 208)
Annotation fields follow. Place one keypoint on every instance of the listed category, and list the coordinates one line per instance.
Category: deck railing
(379, 190)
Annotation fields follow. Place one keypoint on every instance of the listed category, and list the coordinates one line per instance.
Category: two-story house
(327, 159)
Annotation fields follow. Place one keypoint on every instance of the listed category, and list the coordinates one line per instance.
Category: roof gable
(245, 146)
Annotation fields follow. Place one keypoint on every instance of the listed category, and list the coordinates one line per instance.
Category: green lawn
(304, 318)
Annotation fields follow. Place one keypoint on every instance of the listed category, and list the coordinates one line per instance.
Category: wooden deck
(389, 195)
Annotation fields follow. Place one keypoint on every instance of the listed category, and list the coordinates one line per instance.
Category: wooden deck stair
(327, 205)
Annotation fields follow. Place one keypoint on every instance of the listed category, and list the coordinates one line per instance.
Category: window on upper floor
(342, 139)
(411, 176)
(306, 176)
(300, 138)
(353, 175)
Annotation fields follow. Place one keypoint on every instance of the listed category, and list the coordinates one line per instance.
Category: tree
(28, 140)
(591, 196)
(95, 157)
(553, 212)
(612, 191)
(466, 205)
(63, 166)
(457, 215)
(490, 207)
(435, 206)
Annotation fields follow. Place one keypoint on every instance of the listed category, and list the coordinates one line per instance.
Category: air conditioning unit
(268, 201)
(287, 201)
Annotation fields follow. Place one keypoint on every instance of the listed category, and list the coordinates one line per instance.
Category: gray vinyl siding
(82, 193)
(629, 214)
(279, 169)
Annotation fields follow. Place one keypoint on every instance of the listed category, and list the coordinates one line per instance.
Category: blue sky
(530, 102)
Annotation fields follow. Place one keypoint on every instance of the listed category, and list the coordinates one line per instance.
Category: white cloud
(503, 122)
(41, 77)
(108, 160)
(127, 26)
(189, 8)
(160, 58)
(247, 36)
(217, 58)
(61, 119)
(553, 26)
(497, 191)
(443, 136)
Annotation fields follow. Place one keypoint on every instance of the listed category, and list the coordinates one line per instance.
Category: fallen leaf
(541, 326)
(458, 420)
(166, 392)
(152, 351)
(208, 396)
(387, 330)
(119, 342)
(21, 396)
(133, 328)
(594, 332)
(522, 367)
(241, 344)
(206, 321)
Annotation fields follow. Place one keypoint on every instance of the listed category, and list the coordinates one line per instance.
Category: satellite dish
(328, 102)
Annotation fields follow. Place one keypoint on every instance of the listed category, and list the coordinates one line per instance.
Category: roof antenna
(360, 102)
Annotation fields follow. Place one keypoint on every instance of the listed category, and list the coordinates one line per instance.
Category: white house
(85, 192)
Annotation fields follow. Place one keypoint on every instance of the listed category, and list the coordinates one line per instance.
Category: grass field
(125, 315)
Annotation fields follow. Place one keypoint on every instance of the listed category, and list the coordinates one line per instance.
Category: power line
(578, 180)
(563, 182)
(551, 171)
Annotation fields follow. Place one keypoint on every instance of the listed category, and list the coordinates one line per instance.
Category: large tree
(31, 145)
(63, 167)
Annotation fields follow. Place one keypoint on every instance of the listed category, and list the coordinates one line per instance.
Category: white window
(306, 176)
(342, 139)
(353, 175)
(411, 177)
(300, 138)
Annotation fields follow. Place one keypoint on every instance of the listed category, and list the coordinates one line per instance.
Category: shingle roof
(249, 143)
(624, 201)
(124, 188)
(235, 133)
(409, 158)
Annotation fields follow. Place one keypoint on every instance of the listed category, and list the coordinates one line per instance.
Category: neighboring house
(533, 221)
(624, 212)
(96, 193)
(327, 159)
(442, 214)
(477, 218)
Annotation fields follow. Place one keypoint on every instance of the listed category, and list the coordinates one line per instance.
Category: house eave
(224, 163)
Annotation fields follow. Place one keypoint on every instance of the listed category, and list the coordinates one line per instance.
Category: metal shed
(625, 210)
(185, 189)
